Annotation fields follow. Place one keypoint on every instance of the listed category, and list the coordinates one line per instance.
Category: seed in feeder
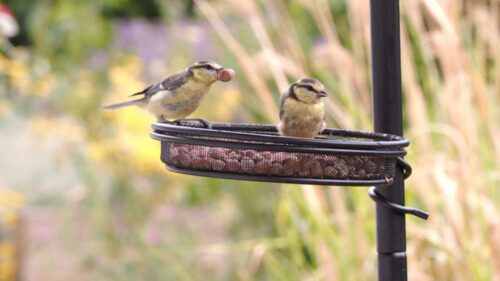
(330, 172)
(234, 155)
(319, 158)
(194, 152)
(247, 165)
(342, 167)
(351, 169)
(184, 159)
(183, 150)
(203, 150)
(197, 163)
(362, 172)
(350, 160)
(304, 172)
(266, 155)
(360, 161)
(292, 162)
(208, 163)
(216, 152)
(290, 166)
(316, 170)
(232, 165)
(370, 167)
(280, 156)
(341, 163)
(249, 153)
(258, 158)
(276, 169)
(305, 166)
(218, 165)
(330, 160)
(305, 162)
(173, 154)
(263, 166)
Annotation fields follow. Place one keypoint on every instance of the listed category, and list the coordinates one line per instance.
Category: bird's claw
(203, 121)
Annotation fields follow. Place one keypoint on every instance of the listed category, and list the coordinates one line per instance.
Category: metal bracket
(379, 199)
(405, 166)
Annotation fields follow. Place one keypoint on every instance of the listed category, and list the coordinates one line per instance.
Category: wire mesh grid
(256, 152)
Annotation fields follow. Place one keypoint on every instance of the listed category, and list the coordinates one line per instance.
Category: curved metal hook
(379, 199)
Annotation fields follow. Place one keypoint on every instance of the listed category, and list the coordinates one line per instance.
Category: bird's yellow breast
(302, 120)
(302, 110)
(178, 103)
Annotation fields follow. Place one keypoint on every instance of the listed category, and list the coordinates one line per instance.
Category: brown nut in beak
(225, 74)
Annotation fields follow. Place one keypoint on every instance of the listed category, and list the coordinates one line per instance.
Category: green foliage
(68, 29)
(148, 9)
(67, 32)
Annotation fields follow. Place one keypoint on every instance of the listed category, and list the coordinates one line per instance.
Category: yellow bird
(302, 110)
(180, 94)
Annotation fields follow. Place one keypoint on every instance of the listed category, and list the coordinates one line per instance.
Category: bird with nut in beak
(180, 94)
(302, 110)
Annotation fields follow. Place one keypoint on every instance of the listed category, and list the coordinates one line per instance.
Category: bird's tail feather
(125, 103)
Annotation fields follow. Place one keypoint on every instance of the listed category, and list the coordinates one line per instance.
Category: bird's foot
(160, 119)
(203, 121)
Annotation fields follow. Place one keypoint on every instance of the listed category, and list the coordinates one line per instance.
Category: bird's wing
(170, 83)
(144, 91)
(175, 80)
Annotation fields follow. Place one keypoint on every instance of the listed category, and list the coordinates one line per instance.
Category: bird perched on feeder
(180, 94)
(302, 110)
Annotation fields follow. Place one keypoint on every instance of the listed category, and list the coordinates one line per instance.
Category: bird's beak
(322, 94)
(225, 74)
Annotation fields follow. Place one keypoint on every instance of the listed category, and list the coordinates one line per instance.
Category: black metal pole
(387, 118)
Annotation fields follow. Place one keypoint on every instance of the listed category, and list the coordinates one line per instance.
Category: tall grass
(451, 87)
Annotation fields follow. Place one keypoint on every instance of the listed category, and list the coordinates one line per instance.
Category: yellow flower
(125, 77)
(133, 135)
(10, 199)
(7, 261)
(96, 151)
(43, 86)
(19, 75)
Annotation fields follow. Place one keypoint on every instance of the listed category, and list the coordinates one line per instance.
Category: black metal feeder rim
(391, 140)
(394, 141)
(268, 147)
(312, 181)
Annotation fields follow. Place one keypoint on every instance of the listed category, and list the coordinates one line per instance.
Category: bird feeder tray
(258, 153)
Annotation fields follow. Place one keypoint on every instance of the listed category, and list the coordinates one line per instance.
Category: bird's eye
(209, 67)
(310, 88)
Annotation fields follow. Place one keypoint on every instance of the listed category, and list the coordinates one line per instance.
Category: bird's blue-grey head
(308, 90)
(210, 71)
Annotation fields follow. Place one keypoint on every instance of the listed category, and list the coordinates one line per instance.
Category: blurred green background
(84, 196)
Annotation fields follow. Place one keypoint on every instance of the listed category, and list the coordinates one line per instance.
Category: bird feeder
(258, 153)
(336, 157)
